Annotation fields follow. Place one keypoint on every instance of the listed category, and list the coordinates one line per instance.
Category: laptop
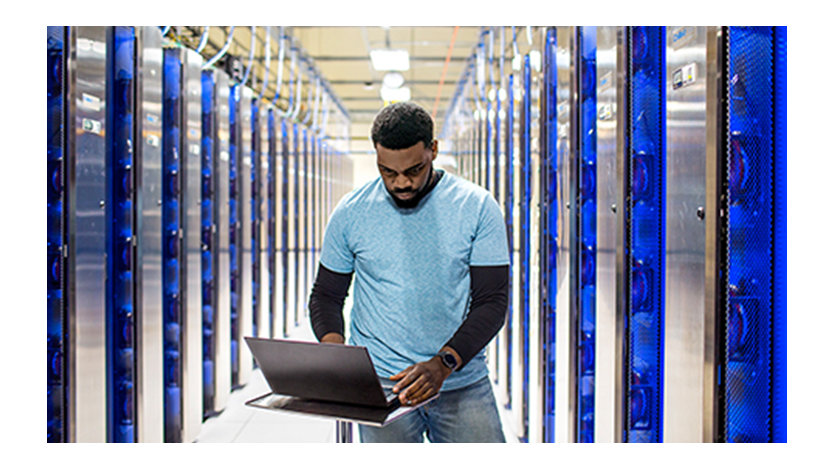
(324, 379)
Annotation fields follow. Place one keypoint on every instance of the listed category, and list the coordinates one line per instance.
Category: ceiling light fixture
(389, 59)
(393, 80)
(392, 95)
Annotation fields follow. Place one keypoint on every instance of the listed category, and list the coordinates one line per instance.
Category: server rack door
(255, 215)
(606, 130)
(273, 228)
(265, 323)
(305, 223)
(586, 214)
(566, 194)
(295, 252)
(121, 225)
(749, 350)
(509, 220)
(292, 199)
(285, 224)
(245, 210)
(687, 90)
(208, 237)
(57, 155)
(644, 169)
(84, 235)
(222, 315)
(517, 350)
(234, 234)
(535, 326)
(173, 257)
(150, 410)
(549, 233)
(192, 362)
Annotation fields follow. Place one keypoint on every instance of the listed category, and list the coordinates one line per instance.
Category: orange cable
(443, 76)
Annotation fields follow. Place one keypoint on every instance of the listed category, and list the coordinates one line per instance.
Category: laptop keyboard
(389, 394)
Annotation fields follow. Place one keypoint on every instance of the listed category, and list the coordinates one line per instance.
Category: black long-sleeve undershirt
(487, 309)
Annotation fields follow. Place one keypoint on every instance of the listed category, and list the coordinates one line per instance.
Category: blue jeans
(468, 414)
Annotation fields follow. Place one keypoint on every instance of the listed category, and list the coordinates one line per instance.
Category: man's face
(405, 171)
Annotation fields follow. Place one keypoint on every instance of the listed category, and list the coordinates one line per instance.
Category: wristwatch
(448, 359)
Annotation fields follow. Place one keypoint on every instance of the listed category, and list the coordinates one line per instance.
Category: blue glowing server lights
(645, 235)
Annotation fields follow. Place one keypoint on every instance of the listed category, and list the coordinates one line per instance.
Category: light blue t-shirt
(411, 284)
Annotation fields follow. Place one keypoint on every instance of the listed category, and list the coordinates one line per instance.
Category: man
(429, 252)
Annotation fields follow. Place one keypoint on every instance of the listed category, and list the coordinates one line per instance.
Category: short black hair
(402, 125)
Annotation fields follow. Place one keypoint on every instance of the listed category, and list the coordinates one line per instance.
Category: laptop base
(346, 412)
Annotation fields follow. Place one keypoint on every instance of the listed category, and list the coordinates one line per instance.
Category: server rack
(566, 198)
(509, 219)
(150, 392)
(260, 219)
(504, 102)
(182, 304)
(687, 321)
(305, 219)
(285, 226)
(749, 275)
(254, 152)
(134, 300)
(273, 225)
(76, 203)
(215, 240)
(644, 180)
(295, 241)
(240, 231)
(549, 233)
(608, 344)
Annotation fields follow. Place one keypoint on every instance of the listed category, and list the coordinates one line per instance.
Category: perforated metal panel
(645, 234)
(587, 236)
(747, 321)
(121, 259)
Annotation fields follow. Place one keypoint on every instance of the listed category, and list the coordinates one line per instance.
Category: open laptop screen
(318, 371)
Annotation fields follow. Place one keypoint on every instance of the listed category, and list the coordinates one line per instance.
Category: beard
(412, 202)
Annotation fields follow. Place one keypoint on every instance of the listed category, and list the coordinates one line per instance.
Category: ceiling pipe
(445, 68)
(222, 50)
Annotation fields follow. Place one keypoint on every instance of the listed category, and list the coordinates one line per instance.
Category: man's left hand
(421, 381)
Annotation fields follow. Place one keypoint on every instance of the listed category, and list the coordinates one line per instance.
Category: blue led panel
(234, 220)
(780, 237)
(550, 233)
(120, 259)
(645, 237)
(173, 256)
(255, 215)
(207, 238)
(587, 236)
(748, 351)
(56, 201)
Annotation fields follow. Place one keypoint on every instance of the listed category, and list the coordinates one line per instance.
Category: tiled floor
(240, 423)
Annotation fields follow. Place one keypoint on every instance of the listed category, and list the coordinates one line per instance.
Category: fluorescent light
(389, 59)
(517, 63)
(536, 60)
(393, 80)
(395, 94)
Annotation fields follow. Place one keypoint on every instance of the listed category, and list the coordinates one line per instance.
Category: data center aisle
(239, 423)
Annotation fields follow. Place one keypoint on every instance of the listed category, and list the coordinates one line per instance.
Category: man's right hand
(334, 338)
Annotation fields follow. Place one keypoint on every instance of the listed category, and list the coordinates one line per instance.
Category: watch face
(449, 360)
